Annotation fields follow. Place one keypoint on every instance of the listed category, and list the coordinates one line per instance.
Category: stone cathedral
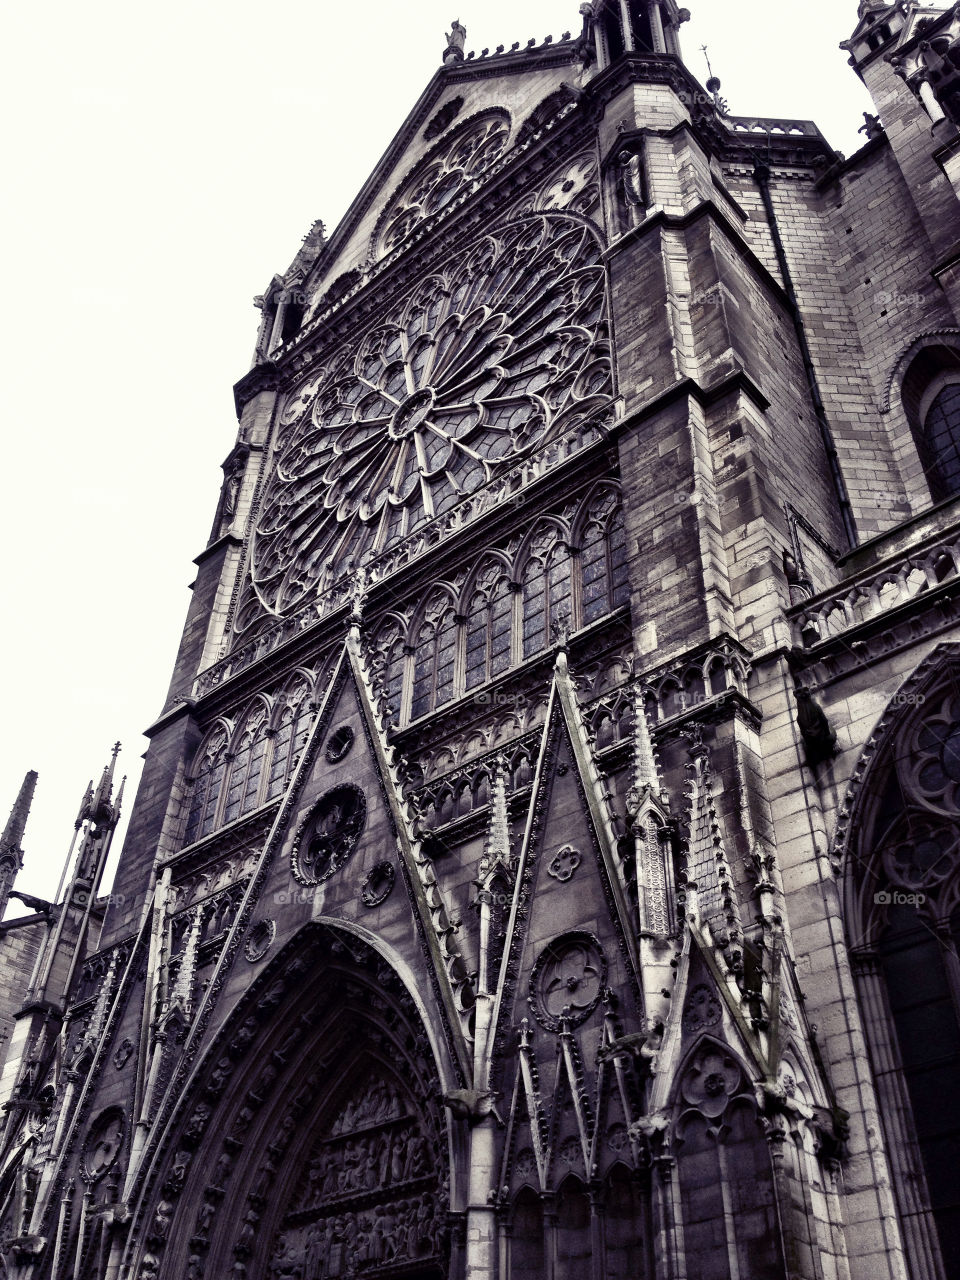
(546, 864)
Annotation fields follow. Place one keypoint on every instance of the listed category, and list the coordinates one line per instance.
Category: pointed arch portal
(313, 1143)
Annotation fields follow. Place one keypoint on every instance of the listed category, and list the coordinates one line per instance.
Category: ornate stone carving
(103, 1144)
(339, 744)
(259, 940)
(366, 1202)
(445, 116)
(702, 1009)
(330, 834)
(568, 980)
(496, 355)
(123, 1054)
(377, 884)
(444, 174)
(564, 863)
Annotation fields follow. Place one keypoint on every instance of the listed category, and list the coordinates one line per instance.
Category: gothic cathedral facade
(547, 861)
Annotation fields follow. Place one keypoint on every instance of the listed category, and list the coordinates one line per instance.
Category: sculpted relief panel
(369, 1200)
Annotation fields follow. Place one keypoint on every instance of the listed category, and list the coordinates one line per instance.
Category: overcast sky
(162, 162)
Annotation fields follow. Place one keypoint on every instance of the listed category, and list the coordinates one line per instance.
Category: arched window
(293, 729)
(603, 565)
(903, 921)
(930, 392)
(489, 628)
(941, 429)
(546, 592)
(387, 656)
(243, 787)
(208, 773)
(434, 658)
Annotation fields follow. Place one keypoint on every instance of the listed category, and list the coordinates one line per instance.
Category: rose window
(921, 855)
(568, 980)
(935, 763)
(330, 834)
(488, 360)
(441, 179)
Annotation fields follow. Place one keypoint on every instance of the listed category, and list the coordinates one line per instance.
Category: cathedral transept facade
(547, 859)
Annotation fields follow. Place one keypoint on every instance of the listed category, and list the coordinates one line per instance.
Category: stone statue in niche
(631, 186)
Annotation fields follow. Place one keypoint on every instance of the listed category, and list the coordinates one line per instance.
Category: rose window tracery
(568, 980)
(490, 358)
(442, 177)
(330, 834)
(935, 771)
(920, 854)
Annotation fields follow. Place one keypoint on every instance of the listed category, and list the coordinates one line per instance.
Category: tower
(546, 859)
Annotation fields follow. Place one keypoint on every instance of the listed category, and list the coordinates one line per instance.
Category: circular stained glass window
(489, 359)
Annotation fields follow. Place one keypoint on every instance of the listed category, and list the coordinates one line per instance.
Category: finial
(713, 84)
(498, 832)
(97, 805)
(12, 836)
(646, 776)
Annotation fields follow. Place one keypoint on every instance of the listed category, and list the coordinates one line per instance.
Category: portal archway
(314, 1142)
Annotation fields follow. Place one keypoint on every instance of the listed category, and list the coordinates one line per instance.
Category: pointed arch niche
(313, 1139)
(899, 839)
(726, 1189)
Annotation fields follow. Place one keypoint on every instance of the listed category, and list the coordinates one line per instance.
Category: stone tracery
(442, 176)
(491, 357)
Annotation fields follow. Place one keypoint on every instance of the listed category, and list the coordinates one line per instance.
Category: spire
(97, 807)
(497, 847)
(646, 772)
(12, 837)
(11, 851)
(100, 813)
(181, 997)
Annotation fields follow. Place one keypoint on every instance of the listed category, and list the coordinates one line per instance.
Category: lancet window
(293, 726)
(246, 770)
(236, 770)
(435, 652)
(560, 578)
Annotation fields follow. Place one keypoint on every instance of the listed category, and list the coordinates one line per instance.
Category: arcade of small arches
(243, 764)
(560, 579)
(565, 575)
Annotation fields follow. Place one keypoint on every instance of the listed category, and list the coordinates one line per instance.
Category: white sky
(162, 163)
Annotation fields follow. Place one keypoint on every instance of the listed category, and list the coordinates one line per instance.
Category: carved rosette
(329, 835)
(567, 980)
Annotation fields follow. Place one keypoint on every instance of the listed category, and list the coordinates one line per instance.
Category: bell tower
(614, 27)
